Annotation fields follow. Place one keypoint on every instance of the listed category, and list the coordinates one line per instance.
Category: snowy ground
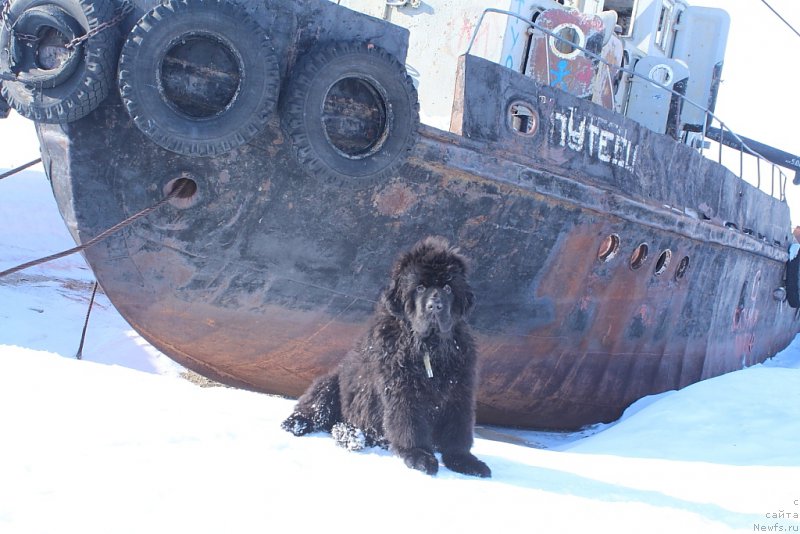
(121, 444)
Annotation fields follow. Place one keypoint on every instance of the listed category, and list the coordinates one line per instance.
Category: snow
(120, 443)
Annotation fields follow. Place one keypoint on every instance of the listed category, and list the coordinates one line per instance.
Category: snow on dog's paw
(298, 424)
(349, 437)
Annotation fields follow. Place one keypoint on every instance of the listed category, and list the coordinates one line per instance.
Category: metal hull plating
(268, 274)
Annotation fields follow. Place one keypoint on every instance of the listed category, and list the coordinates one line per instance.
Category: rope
(20, 168)
(780, 17)
(79, 354)
(114, 229)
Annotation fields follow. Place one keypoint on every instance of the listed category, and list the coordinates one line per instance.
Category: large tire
(75, 83)
(351, 111)
(793, 278)
(181, 110)
(4, 107)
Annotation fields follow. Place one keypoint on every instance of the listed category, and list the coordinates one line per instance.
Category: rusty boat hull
(609, 262)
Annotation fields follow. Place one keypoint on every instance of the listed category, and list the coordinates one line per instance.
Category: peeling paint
(395, 200)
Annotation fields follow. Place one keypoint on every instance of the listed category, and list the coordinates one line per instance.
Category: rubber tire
(92, 79)
(302, 111)
(793, 282)
(4, 107)
(31, 22)
(140, 63)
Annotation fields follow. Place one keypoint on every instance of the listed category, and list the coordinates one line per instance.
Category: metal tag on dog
(427, 361)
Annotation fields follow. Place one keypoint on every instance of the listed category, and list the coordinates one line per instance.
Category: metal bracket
(404, 3)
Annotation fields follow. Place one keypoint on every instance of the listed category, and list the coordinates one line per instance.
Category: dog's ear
(467, 302)
(393, 300)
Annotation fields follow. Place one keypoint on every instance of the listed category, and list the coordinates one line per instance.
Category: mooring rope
(20, 168)
(79, 354)
(176, 191)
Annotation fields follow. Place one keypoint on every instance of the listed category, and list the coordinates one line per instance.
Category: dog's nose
(434, 303)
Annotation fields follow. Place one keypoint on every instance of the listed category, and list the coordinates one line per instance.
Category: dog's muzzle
(439, 311)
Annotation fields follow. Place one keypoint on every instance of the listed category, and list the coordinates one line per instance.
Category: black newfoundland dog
(409, 384)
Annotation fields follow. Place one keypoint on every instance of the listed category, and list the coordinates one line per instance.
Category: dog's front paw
(466, 463)
(298, 424)
(420, 459)
(348, 436)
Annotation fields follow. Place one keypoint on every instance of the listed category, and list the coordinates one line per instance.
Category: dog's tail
(318, 409)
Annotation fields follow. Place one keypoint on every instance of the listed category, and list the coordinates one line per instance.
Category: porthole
(662, 74)
(571, 37)
(682, 268)
(639, 256)
(523, 119)
(608, 248)
(663, 262)
(185, 191)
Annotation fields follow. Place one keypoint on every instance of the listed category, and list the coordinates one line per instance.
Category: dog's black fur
(381, 393)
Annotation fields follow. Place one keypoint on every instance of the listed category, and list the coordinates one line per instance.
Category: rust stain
(477, 221)
(394, 200)
(265, 186)
(645, 316)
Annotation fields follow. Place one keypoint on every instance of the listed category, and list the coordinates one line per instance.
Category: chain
(122, 12)
(4, 14)
(5, 22)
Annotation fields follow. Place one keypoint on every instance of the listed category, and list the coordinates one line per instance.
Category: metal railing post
(742, 145)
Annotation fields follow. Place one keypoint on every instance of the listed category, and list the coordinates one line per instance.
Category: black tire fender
(351, 111)
(793, 277)
(77, 80)
(210, 118)
(4, 107)
(36, 21)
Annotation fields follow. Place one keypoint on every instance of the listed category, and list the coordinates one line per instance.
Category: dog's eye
(420, 288)
(447, 288)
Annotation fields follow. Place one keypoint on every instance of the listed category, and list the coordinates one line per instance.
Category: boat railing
(777, 175)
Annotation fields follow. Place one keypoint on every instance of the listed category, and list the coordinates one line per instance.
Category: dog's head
(429, 288)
